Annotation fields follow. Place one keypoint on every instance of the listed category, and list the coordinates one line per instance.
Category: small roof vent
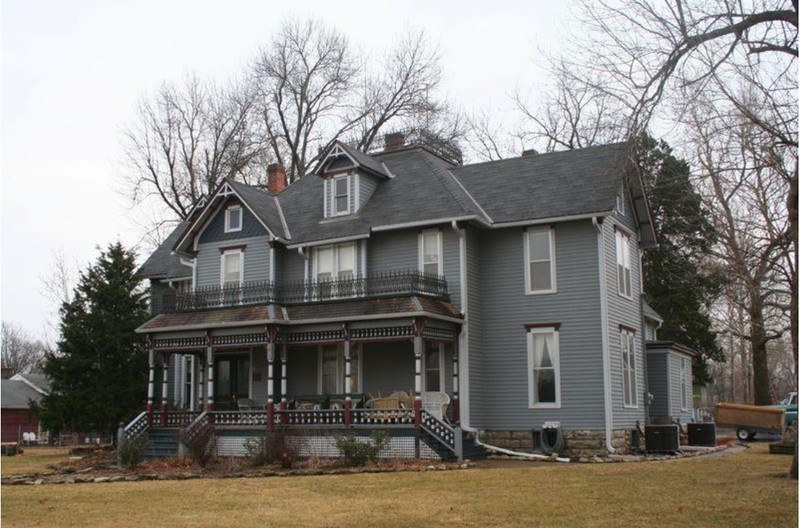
(529, 152)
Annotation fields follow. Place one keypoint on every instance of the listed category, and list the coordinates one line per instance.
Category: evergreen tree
(677, 283)
(99, 373)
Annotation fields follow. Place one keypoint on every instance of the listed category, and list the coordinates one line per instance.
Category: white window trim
(335, 267)
(421, 250)
(684, 380)
(222, 257)
(336, 212)
(553, 274)
(340, 370)
(228, 211)
(442, 377)
(621, 199)
(622, 242)
(557, 356)
(627, 339)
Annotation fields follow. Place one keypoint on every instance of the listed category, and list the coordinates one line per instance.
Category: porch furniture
(405, 399)
(436, 403)
(248, 404)
(310, 402)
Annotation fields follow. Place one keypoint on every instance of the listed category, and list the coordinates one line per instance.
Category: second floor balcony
(386, 284)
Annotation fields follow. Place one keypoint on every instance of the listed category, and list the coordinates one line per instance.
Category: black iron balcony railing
(386, 284)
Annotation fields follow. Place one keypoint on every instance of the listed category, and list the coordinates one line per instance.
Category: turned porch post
(419, 326)
(164, 381)
(347, 400)
(209, 373)
(151, 380)
(456, 412)
(272, 333)
(284, 350)
(200, 369)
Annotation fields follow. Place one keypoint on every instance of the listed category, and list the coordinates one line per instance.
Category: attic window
(233, 219)
(341, 195)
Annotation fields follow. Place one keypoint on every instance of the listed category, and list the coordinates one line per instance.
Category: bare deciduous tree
(20, 351)
(186, 138)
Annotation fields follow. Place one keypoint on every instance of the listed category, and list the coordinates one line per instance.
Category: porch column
(151, 380)
(209, 373)
(284, 350)
(164, 386)
(419, 326)
(272, 334)
(456, 413)
(200, 369)
(347, 400)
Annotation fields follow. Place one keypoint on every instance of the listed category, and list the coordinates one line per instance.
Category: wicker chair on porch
(436, 403)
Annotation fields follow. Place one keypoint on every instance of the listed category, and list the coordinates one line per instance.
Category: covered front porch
(382, 372)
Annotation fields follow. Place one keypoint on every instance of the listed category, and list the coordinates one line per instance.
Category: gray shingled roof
(550, 185)
(649, 313)
(425, 188)
(15, 394)
(162, 264)
(37, 379)
(365, 160)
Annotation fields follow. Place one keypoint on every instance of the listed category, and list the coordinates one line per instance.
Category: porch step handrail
(198, 427)
(441, 431)
(137, 427)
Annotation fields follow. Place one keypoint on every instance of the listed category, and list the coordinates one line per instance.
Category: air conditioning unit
(662, 438)
(702, 434)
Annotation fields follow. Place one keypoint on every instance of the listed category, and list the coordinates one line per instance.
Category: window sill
(541, 292)
(545, 406)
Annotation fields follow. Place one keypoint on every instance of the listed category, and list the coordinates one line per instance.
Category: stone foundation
(577, 442)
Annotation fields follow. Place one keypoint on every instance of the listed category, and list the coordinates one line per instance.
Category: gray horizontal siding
(367, 185)
(393, 250)
(388, 367)
(256, 261)
(622, 310)
(215, 231)
(504, 339)
(290, 265)
(471, 364)
(658, 384)
(674, 368)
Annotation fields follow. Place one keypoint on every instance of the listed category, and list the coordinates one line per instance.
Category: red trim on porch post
(284, 419)
(348, 404)
(271, 415)
(149, 414)
(456, 414)
(417, 412)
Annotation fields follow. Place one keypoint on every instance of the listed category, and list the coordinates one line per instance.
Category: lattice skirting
(232, 444)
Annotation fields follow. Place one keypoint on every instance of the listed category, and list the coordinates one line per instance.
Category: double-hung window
(544, 377)
(540, 262)
(233, 219)
(341, 195)
(685, 384)
(434, 371)
(628, 347)
(430, 252)
(332, 375)
(187, 392)
(335, 263)
(623, 264)
(232, 268)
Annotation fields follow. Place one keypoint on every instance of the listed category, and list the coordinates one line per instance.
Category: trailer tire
(743, 434)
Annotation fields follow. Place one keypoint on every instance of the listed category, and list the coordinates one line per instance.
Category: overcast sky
(73, 71)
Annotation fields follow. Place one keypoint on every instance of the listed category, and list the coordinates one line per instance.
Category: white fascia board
(550, 220)
(328, 241)
(420, 223)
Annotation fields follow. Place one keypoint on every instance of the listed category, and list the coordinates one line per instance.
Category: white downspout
(272, 260)
(192, 264)
(601, 260)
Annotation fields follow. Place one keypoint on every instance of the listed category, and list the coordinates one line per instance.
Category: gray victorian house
(403, 290)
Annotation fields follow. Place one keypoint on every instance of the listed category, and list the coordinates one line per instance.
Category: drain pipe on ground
(509, 452)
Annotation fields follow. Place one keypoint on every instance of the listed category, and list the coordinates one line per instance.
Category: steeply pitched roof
(649, 313)
(15, 394)
(552, 185)
(365, 160)
(265, 207)
(162, 264)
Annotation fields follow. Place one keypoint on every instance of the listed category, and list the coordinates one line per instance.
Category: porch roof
(329, 312)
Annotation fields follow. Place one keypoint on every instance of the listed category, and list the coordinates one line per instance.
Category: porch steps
(163, 442)
(472, 451)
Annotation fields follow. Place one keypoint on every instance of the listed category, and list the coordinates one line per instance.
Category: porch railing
(441, 431)
(137, 427)
(386, 284)
(180, 418)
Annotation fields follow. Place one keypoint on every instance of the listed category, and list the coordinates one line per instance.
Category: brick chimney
(394, 141)
(276, 178)
(529, 152)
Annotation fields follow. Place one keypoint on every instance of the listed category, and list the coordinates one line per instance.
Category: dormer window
(341, 195)
(233, 219)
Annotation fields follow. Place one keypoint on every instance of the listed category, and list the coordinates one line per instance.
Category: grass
(32, 460)
(744, 489)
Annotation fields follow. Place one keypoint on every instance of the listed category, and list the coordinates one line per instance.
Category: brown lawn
(33, 460)
(744, 489)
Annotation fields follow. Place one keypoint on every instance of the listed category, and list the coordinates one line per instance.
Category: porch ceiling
(352, 310)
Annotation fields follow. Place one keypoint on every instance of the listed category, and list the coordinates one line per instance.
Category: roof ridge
(542, 155)
(283, 218)
(482, 210)
(435, 170)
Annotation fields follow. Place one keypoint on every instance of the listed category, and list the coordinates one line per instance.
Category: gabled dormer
(350, 178)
